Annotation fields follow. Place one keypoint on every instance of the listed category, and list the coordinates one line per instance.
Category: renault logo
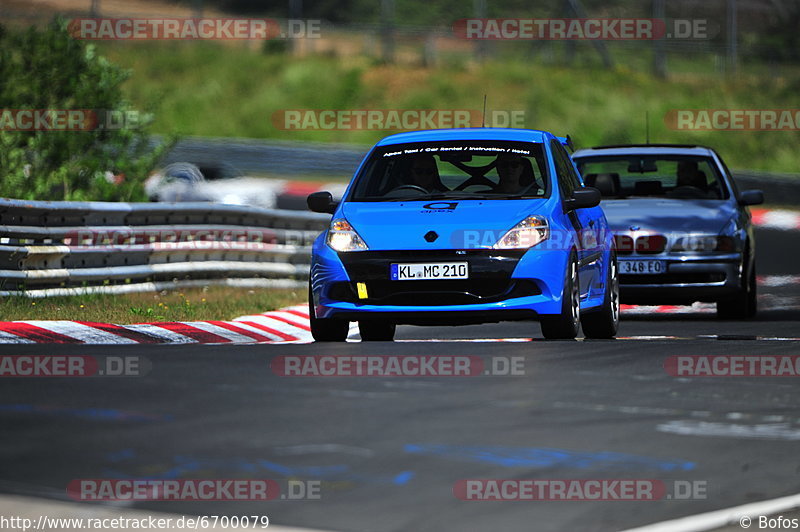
(431, 236)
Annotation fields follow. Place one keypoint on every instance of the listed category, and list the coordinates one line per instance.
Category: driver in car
(691, 180)
(425, 174)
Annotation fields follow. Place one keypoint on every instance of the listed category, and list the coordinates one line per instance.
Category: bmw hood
(456, 224)
(668, 215)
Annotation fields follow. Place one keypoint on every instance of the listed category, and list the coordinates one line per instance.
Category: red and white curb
(768, 281)
(785, 220)
(702, 308)
(288, 325)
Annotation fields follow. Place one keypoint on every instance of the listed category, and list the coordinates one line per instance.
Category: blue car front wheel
(325, 329)
(565, 326)
(603, 323)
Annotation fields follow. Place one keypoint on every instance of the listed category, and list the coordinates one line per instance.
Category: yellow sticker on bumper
(362, 290)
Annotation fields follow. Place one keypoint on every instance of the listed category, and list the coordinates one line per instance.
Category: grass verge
(195, 304)
(209, 89)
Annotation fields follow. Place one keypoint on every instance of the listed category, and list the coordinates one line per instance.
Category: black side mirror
(751, 197)
(322, 202)
(584, 198)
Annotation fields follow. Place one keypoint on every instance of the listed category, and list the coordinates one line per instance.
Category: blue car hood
(668, 215)
(403, 225)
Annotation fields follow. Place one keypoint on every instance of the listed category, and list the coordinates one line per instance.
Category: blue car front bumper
(503, 285)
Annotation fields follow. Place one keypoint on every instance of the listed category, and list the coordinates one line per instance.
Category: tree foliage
(46, 69)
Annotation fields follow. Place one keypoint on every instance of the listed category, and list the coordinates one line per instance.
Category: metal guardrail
(269, 157)
(54, 248)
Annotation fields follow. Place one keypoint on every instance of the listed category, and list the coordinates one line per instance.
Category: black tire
(604, 322)
(744, 304)
(565, 326)
(376, 331)
(326, 329)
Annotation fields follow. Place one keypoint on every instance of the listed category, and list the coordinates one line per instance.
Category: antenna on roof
(647, 125)
(483, 118)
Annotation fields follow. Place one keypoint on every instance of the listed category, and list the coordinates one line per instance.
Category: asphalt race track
(388, 451)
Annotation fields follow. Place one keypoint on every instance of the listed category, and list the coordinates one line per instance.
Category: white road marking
(765, 431)
(720, 518)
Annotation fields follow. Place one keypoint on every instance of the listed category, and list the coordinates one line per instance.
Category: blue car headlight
(526, 234)
(342, 237)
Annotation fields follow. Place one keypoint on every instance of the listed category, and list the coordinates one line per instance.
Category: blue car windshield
(667, 176)
(453, 169)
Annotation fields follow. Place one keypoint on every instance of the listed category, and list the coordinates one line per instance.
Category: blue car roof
(644, 150)
(478, 133)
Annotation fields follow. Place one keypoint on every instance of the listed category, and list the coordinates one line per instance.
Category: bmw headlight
(342, 237)
(526, 234)
(704, 244)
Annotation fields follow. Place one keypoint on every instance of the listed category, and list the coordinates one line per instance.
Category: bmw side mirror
(322, 202)
(751, 197)
(584, 198)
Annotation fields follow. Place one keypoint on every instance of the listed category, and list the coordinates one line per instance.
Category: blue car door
(584, 221)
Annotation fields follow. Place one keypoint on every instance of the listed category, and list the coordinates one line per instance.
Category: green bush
(44, 69)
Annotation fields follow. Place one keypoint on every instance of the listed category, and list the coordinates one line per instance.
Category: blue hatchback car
(461, 226)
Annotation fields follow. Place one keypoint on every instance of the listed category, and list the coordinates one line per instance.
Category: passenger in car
(509, 170)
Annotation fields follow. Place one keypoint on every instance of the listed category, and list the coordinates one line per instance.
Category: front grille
(489, 278)
(644, 245)
(651, 245)
(673, 278)
(623, 244)
(483, 263)
(434, 293)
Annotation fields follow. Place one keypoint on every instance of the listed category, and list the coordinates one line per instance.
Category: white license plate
(642, 267)
(429, 271)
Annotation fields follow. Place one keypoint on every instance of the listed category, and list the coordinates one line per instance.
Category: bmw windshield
(455, 169)
(666, 176)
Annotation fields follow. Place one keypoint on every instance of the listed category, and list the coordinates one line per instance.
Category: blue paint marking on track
(544, 457)
(304, 471)
(403, 478)
(182, 466)
(95, 414)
